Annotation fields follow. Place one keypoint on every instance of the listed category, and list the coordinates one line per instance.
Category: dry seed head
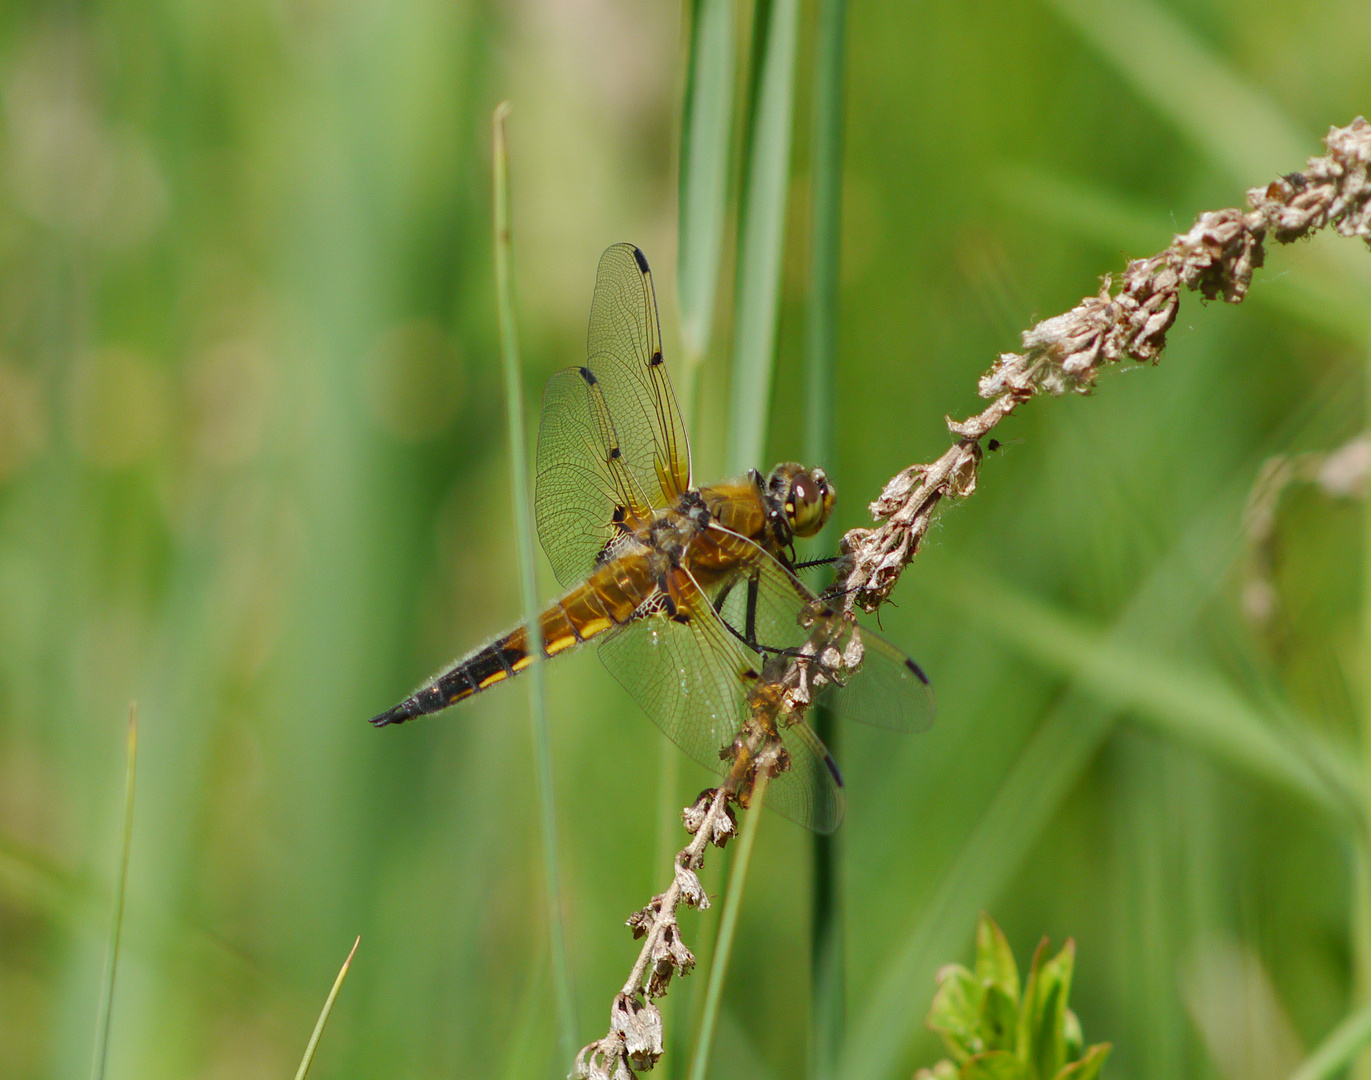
(639, 1025)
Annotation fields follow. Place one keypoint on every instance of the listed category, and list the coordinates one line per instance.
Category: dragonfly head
(804, 496)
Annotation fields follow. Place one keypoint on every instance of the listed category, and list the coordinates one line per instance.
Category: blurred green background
(253, 474)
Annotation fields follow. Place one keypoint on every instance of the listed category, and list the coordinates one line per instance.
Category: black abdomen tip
(406, 710)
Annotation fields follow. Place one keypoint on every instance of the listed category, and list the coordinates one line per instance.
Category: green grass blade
(1226, 119)
(762, 230)
(518, 465)
(668, 841)
(1042, 775)
(1177, 698)
(828, 976)
(1307, 288)
(706, 141)
(1221, 114)
(706, 146)
(102, 1024)
(1338, 1049)
(821, 339)
(1359, 921)
(324, 1013)
(728, 923)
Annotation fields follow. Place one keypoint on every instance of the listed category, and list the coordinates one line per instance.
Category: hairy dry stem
(1216, 257)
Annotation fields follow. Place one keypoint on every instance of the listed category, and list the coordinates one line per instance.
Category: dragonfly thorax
(672, 531)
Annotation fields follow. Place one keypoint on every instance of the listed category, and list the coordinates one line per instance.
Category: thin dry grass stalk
(1217, 258)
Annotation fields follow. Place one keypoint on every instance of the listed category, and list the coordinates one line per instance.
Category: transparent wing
(889, 690)
(624, 351)
(586, 501)
(771, 606)
(693, 680)
(811, 792)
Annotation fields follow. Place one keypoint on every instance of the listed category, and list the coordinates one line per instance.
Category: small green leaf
(1088, 1068)
(1049, 1025)
(999, 1019)
(996, 1065)
(942, 1070)
(1046, 1053)
(1029, 1007)
(956, 1012)
(1075, 1040)
(994, 959)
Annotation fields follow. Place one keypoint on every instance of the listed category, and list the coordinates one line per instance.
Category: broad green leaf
(1088, 1068)
(995, 1065)
(994, 959)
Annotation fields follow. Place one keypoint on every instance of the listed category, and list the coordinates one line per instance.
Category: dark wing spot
(918, 671)
(680, 616)
(751, 675)
(656, 358)
(588, 375)
(613, 452)
(618, 518)
(642, 260)
(833, 769)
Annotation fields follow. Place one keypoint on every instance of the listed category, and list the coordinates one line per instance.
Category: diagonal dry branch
(1216, 258)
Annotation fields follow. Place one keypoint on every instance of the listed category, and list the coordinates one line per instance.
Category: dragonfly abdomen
(608, 599)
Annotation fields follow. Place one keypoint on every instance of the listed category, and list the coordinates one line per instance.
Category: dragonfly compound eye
(809, 501)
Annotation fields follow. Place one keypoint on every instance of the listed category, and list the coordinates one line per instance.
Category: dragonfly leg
(719, 603)
(808, 563)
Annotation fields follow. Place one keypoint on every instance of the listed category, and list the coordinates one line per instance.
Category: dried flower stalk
(1217, 257)
(634, 1040)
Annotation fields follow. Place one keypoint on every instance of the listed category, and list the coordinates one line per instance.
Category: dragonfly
(692, 593)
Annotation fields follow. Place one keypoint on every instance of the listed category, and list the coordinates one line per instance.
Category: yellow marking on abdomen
(595, 626)
(522, 662)
(552, 648)
(492, 679)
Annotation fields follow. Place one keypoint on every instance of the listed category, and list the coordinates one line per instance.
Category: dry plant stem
(634, 1040)
(1216, 257)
